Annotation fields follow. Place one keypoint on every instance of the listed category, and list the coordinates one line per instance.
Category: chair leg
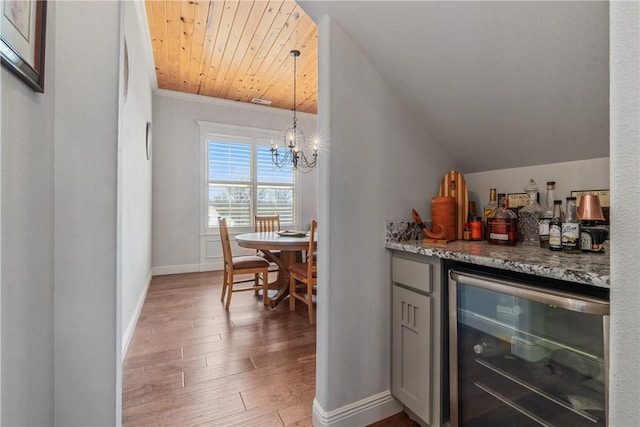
(265, 287)
(229, 292)
(310, 302)
(292, 291)
(256, 284)
(224, 284)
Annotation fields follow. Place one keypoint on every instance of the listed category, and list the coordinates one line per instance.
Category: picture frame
(516, 200)
(22, 40)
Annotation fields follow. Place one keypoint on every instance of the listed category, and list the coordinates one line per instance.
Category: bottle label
(544, 226)
(503, 230)
(489, 213)
(571, 235)
(555, 236)
(499, 236)
(476, 230)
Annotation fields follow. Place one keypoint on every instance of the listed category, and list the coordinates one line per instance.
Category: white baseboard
(128, 333)
(361, 413)
(185, 268)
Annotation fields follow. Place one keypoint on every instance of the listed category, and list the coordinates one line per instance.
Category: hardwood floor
(191, 363)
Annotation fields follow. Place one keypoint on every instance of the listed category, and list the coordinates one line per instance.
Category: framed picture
(516, 200)
(22, 40)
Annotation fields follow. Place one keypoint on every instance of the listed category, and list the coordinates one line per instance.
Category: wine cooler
(521, 354)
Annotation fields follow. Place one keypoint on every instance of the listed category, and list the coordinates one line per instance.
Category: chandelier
(294, 140)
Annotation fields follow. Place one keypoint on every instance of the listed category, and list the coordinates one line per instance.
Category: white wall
(624, 385)
(378, 164)
(27, 171)
(569, 176)
(177, 241)
(87, 348)
(135, 175)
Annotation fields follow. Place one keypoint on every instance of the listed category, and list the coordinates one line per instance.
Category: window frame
(240, 135)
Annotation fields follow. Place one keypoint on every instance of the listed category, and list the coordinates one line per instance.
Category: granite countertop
(586, 268)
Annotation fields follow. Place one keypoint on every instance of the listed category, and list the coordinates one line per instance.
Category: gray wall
(624, 383)
(374, 170)
(59, 348)
(177, 169)
(497, 83)
(134, 176)
(87, 350)
(27, 280)
(590, 174)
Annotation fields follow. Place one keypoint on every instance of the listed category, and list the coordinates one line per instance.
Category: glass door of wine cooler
(525, 356)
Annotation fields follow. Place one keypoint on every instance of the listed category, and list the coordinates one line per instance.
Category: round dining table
(290, 248)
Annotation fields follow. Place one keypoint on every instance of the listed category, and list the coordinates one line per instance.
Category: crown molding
(231, 104)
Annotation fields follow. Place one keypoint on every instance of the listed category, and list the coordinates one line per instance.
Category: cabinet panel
(411, 354)
(416, 275)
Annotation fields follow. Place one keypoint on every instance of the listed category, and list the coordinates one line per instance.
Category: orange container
(443, 213)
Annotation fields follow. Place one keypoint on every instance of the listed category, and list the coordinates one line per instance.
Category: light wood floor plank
(193, 363)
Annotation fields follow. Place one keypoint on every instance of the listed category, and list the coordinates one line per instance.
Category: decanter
(528, 216)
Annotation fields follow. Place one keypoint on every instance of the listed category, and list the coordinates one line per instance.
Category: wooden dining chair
(241, 265)
(302, 278)
(266, 223)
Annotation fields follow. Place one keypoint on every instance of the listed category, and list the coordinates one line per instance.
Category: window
(242, 182)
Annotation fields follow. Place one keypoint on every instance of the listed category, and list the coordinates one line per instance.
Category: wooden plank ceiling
(237, 50)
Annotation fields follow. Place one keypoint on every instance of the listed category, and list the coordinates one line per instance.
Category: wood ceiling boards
(236, 50)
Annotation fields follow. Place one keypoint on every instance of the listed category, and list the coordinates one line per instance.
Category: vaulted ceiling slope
(499, 84)
(235, 49)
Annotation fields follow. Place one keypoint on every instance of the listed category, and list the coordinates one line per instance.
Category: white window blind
(242, 182)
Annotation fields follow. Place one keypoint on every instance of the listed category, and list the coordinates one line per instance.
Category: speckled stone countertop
(586, 268)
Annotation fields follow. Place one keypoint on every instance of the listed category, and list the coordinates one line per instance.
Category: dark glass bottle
(503, 226)
(555, 227)
(571, 228)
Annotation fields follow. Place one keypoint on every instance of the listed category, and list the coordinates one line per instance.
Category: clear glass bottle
(528, 216)
(502, 227)
(571, 228)
(489, 211)
(546, 214)
(555, 227)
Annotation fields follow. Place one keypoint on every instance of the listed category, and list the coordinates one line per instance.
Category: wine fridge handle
(582, 304)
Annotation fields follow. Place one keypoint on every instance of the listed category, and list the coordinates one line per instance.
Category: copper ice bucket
(589, 209)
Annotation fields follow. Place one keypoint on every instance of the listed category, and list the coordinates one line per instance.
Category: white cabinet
(416, 335)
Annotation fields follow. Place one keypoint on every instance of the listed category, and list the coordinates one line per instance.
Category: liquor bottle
(555, 227)
(528, 216)
(472, 210)
(503, 225)
(546, 214)
(466, 233)
(571, 228)
(489, 211)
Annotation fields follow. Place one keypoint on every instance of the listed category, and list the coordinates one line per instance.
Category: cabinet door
(411, 354)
